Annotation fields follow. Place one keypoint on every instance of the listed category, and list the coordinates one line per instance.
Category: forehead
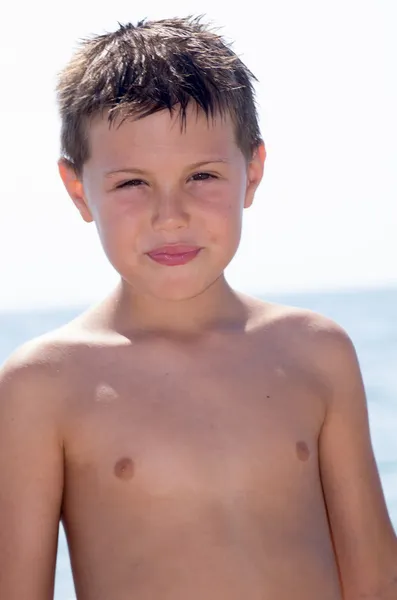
(161, 135)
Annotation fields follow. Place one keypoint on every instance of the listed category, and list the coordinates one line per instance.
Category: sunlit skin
(147, 184)
(197, 443)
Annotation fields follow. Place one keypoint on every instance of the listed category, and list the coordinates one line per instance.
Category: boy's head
(140, 109)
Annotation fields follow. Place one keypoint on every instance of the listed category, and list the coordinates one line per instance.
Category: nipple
(302, 451)
(124, 468)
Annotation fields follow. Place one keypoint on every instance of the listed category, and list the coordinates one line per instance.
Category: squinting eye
(129, 183)
(203, 176)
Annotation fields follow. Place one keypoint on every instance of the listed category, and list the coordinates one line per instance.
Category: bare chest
(209, 428)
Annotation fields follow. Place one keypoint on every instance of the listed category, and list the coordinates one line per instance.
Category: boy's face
(149, 185)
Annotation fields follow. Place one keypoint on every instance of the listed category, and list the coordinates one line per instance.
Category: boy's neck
(218, 308)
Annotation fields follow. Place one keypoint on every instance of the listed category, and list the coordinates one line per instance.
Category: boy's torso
(191, 470)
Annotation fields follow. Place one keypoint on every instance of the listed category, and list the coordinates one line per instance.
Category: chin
(177, 293)
(180, 288)
(173, 283)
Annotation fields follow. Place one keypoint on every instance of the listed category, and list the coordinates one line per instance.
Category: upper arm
(31, 481)
(363, 536)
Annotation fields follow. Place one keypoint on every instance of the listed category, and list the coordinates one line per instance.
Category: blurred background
(322, 231)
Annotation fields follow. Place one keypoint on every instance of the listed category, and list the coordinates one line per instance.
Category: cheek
(118, 230)
(223, 226)
(224, 211)
(117, 216)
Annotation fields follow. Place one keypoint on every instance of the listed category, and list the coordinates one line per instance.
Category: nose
(170, 213)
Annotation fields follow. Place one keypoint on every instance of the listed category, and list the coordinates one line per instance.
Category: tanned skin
(196, 443)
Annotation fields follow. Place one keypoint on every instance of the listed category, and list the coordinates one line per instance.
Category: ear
(254, 173)
(74, 188)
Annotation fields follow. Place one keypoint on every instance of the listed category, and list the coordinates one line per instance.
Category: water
(371, 320)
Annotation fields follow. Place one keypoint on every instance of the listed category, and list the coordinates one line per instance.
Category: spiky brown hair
(138, 70)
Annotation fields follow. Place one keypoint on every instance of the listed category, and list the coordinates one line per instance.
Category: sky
(325, 215)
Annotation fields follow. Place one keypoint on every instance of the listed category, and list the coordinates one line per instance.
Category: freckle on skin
(124, 468)
(302, 451)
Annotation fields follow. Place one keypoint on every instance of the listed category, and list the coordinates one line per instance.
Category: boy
(196, 443)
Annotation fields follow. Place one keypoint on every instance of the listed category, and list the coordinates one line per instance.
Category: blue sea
(370, 318)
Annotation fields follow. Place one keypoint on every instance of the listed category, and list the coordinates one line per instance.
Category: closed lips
(173, 250)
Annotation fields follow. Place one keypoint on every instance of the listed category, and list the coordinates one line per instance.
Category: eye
(130, 183)
(203, 176)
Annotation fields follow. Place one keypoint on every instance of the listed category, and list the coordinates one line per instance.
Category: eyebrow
(143, 172)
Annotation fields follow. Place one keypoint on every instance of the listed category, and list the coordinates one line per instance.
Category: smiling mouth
(174, 255)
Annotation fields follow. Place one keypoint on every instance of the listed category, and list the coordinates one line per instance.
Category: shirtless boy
(196, 443)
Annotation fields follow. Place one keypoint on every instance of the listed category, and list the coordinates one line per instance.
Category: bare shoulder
(45, 371)
(323, 341)
(38, 356)
(38, 366)
(295, 321)
(316, 340)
